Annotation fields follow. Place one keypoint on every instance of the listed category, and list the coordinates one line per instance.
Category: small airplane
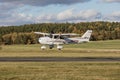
(59, 39)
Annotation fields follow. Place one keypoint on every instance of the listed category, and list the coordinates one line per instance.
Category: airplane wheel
(59, 47)
(43, 47)
(51, 46)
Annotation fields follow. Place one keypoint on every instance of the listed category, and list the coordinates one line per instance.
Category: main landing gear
(59, 47)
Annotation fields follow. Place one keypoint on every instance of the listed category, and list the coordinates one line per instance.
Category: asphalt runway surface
(57, 59)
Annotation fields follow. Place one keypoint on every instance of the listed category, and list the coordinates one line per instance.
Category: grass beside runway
(92, 49)
(60, 71)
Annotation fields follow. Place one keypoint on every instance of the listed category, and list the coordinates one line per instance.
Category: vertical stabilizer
(87, 34)
(84, 38)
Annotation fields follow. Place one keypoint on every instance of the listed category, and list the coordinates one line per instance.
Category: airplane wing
(41, 33)
(66, 34)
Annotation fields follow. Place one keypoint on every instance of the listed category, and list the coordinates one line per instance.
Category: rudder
(87, 34)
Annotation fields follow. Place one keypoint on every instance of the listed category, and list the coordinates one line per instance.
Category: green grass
(60, 71)
(91, 49)
(109, 44)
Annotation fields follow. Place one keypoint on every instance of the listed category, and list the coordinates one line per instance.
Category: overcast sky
(19, 12)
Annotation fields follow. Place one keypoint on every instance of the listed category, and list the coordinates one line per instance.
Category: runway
(57, 59)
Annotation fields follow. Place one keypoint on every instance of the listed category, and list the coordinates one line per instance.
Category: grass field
(91, 49)
(62, 70)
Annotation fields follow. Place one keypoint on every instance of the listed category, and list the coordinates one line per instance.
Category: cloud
(117, 1)
(6, 9)
(9, 7)
(71, 15)
(89, 14)
(17, 19)
(43, 2)
(115, 16)
(65, 15)
(14, 12)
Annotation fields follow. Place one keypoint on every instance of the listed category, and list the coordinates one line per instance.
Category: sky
(20, 12)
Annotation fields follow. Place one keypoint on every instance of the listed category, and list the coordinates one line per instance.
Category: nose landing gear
(51, 46)
(43, 47)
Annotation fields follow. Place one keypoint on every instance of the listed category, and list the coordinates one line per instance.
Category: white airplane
(59, 39)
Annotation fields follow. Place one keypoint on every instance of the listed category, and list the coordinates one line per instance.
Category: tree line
(24, 34)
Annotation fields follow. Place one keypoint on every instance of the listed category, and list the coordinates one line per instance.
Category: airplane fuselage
(48, 40)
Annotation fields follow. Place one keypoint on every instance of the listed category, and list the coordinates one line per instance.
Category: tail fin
(87, 34)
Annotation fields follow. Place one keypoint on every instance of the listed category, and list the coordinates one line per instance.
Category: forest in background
(24, 34)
